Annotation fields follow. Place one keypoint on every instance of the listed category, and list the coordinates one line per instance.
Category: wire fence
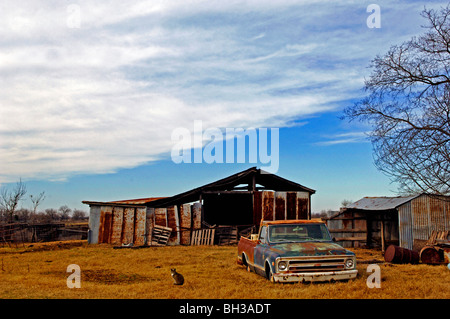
(18, 233)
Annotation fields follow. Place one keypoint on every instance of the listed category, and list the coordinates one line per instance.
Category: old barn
(211, 214)
(380, 221)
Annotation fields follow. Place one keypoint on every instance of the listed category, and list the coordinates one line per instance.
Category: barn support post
(309, 206)
(382, 233)
(202, 215)
(369, 230)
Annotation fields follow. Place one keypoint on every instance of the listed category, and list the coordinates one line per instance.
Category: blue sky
(90, 92)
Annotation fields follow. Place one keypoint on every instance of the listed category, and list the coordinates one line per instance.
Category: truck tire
(269, 274)
(245, 263)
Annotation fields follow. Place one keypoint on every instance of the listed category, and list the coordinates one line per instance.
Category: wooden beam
(227, 192)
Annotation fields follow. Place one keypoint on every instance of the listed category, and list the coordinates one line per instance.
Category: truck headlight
(282, 265)
(349, 263)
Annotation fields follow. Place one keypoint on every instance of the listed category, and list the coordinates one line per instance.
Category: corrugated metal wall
(124, 225)
(281, 205)
(119, 225)
(419, 217)
(405, 228)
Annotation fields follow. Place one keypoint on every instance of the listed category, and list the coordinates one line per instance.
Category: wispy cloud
(107, 95)
(344, 138)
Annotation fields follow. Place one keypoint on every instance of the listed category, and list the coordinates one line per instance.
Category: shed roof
(126, 202)
(137, 201)
(380, 203)
(251, 176)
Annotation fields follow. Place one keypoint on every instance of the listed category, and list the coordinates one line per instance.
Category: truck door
(260, 249)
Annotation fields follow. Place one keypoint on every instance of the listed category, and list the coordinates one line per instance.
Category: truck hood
(309, 249)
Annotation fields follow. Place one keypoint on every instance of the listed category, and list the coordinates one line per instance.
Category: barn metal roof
(252, 177)
(380, 203)
(127, 202)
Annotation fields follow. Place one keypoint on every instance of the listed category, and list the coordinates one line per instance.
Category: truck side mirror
(334, 239)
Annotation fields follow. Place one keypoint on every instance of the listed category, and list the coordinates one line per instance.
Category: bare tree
(52, 214)
(64, 212)
(408, 107)
(9, 199)
(36, 201)
(346, 202)
(78, 214)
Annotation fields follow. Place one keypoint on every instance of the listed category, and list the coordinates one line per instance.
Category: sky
(92, 93)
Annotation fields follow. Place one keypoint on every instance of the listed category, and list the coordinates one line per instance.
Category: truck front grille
(316, 265)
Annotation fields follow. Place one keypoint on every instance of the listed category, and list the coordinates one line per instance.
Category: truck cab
(296, 250)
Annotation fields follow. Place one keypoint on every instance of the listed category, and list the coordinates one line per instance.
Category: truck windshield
(298, 233)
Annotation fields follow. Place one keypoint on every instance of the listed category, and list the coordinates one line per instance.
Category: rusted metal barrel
(398, 255)
(430, 255)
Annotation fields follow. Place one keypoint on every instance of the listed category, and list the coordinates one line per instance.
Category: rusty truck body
(296, 250)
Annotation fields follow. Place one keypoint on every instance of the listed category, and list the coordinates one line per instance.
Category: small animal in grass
(177, 277)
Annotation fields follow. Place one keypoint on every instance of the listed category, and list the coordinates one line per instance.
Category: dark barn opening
(228, 209)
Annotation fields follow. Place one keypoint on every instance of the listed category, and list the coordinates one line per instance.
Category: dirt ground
(211, 272)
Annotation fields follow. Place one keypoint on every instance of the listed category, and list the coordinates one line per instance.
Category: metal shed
(238, 201)
(379, 221)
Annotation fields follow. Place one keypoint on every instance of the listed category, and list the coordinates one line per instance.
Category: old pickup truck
(296, 250)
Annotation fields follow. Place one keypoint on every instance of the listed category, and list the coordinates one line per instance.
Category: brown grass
(39, 271)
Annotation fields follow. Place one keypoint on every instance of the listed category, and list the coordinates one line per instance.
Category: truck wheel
(244, 261)
(269, 274)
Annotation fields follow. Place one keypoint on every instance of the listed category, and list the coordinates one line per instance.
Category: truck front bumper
(315, 276)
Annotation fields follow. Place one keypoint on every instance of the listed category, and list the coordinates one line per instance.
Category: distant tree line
(11, 198)
(49, 215)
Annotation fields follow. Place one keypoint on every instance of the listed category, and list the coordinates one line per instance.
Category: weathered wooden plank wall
(185, 224)
(128, 226)
(133, 225)
(105, 224)
(139, 226)
(117, 222)
(280, 206)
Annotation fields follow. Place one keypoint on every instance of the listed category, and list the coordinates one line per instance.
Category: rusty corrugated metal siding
(185, 224)
(105, 224)
(281, 205)
(405, 227)
(128, 226)
(197, 216)
(429, 214)
(126, 222)
(161, 217)
(420, 209)
(149, 223)
(419, 217)
(139, 226)
(291, 205)
(268, 206)
(173, 222)
(117, 222)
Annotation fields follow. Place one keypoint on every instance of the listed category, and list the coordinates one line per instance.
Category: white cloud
(345, 138)
(107, 95)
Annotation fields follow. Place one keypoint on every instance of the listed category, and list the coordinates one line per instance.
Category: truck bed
(246, 247)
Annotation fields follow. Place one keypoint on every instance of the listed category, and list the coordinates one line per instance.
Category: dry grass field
(39, 271)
